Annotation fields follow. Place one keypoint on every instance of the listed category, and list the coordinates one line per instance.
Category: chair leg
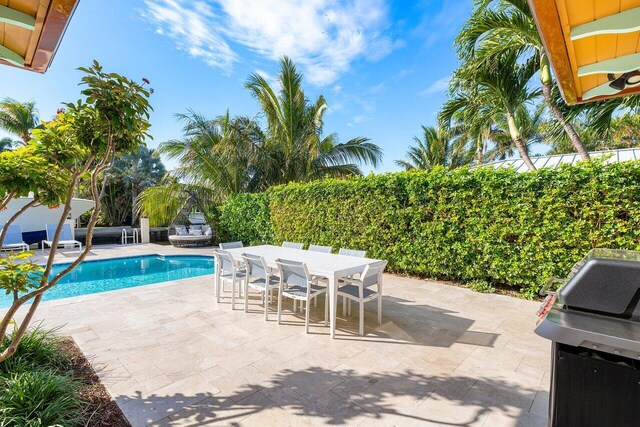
(246, 297)
(233, 295)
(315, 302)
(295, 305)
(348, 307)
(344, 307)
(326, 309)
(306, 317)
(266, 305)
(379, 309)
(361, 318)
(279, 307)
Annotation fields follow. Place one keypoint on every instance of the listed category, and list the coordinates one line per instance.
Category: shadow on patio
(336, 397)
(404, 322)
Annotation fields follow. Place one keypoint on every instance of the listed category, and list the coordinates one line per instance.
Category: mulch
(101, 410)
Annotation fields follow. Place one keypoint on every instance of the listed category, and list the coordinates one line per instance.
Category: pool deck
(444, 355)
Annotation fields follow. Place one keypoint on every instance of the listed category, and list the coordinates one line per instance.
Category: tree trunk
(134, 196)
(517, 140)
(545, 79)
(568, 128)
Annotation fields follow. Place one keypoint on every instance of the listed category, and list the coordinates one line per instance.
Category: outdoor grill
(594, 323)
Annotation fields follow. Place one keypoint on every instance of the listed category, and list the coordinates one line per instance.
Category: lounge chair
(196, 235)
(13, 239)
(66, 237)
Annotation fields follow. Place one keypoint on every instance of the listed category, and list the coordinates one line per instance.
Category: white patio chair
(292, 245)
(260, 279)
(352, 252)
(296, 283)
(227, 270)
(66, 237)
(13, 239)
(359, 289)
(231, 245)
(318, 248)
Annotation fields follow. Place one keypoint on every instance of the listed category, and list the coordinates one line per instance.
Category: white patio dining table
(331, 266)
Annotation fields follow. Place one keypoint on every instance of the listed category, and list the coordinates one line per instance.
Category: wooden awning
(31, 30)
(593, 45)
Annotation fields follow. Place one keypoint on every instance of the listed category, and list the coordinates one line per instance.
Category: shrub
(36, 385)
(39, 348)
(491, 226)
(246, 217)
(39, 398)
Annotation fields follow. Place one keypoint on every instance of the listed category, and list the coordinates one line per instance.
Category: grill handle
(551, 283)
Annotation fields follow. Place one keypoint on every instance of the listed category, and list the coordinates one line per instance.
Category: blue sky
(383, 65)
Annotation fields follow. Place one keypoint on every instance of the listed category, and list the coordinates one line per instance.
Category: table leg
(333, 298)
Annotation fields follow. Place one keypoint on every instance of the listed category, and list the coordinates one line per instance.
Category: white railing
(134, 237)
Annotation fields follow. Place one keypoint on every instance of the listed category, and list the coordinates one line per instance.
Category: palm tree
(139, 170)
(226, 155)
(502, 85)
(6, 144)
(294, 134)
(464, 114)
(497, 27)
(216, 158)
(19, 118)
(436, 148)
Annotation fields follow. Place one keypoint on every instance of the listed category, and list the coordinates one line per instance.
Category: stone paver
(444, 355)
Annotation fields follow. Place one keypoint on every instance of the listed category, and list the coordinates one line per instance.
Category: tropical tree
(129, 175)
(294, 136)
(111, 119)
(463, 113)
(226, 155)
(18, 118)
(216, 158)
(501, 84)
(436, 148)
(499, 27)
(6, 144)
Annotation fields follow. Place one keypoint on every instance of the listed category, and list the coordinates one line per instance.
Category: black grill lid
(607, 282)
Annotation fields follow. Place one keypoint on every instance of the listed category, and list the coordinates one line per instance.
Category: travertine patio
(444, 355)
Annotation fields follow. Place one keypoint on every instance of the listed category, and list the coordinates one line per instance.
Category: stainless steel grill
(594, 323)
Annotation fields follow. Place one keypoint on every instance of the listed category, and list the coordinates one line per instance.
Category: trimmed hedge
(481, 226)
(245, 217)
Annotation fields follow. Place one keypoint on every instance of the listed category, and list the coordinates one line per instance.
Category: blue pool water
(91, 277)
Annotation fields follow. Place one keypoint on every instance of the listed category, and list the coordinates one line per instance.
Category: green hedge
(246, 217)
(474, 226)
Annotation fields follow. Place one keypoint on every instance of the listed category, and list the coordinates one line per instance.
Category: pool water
(91, 277)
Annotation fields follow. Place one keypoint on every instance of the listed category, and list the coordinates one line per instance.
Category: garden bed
(49, 381)
(101, 409)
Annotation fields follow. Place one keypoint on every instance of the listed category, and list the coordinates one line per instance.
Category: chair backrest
(318, 248)
(371, 274)
(256, 266)
(292, 245)
(352, 252)
(14, 235)
(224, 260)
(231, 245)
(293, 272)
(65, 234)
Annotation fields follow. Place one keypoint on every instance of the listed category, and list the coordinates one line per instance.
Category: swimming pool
(91, 277)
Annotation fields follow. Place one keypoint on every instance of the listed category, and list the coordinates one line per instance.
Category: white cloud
(323, 36)
(437, 86)
(189, 26)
